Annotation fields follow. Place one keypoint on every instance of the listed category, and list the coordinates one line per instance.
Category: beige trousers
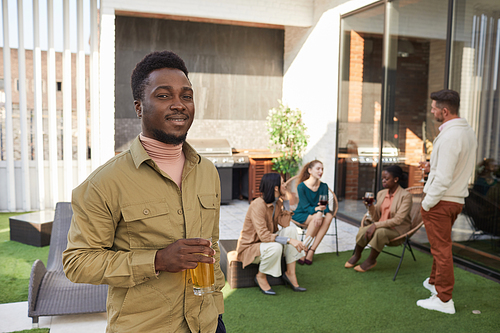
(271, 253)
(380, 238)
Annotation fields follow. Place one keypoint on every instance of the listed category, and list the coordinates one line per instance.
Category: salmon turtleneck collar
(159, 150)
(169, 158)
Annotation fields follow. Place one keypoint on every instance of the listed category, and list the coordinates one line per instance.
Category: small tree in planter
(287, 135)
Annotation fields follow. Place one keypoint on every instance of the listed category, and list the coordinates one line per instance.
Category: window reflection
(474, 73)
(360, 109)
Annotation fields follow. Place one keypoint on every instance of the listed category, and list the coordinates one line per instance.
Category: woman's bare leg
(321, 231)
(262, 279)
(371, 260)
(311, 231)
(357, 255)
(290, 273)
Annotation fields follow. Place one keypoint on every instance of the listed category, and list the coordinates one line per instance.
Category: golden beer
(203, 279)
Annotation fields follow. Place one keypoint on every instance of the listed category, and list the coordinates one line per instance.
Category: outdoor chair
(50, 291)
(483, 214)
(333, 205)
(417, 193)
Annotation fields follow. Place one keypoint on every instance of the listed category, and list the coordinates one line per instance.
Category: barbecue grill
(219, 152)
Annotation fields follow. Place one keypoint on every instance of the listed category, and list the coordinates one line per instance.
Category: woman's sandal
(307, 261)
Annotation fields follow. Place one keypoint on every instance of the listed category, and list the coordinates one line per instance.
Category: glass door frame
(385, 72)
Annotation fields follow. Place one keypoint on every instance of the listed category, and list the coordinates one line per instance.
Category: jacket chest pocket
(209, 203)
(149, 225)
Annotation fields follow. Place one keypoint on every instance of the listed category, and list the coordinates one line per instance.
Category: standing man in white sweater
(451, 165)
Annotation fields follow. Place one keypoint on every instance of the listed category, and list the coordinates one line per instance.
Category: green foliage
(16, 260)
(288, 136)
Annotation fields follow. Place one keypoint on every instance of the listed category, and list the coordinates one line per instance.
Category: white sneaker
(434, 303)
(430, 287)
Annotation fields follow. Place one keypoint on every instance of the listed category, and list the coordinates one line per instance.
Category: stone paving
(233, 215)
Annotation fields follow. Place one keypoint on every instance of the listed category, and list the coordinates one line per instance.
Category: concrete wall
(311, 78)
(236, 72)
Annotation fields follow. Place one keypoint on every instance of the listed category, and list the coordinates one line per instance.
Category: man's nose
(177, 104)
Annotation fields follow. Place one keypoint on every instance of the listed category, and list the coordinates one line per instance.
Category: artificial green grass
(16, 260)
(342, 300)
(35, 330)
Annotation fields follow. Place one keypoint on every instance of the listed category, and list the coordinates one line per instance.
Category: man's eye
(188, 97)
(163, 95)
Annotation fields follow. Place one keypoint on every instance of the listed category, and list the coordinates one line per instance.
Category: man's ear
(138, 108)
(446, 112)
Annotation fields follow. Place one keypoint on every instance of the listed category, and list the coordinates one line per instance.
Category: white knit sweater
(452, 163)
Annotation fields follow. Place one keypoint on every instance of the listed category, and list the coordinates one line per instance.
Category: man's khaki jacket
(125, 212)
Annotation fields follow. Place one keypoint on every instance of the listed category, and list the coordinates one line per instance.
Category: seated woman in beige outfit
(262, 243)
(391, 217)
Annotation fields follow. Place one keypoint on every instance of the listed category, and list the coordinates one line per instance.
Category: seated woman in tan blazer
(262, 243)
(390, 216)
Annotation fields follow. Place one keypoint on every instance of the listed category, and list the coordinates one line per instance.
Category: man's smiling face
(167, 106)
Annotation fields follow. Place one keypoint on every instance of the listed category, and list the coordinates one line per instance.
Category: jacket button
(190, 281)
(146, 211)
(179, 212)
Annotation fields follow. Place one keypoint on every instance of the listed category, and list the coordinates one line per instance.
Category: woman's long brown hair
(304, 173)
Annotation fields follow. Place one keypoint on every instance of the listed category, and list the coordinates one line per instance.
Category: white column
(23, 114)
(37, 77)
(80, 97)
(107, 84)
(51, 105)
(9, 137)
(322, 45)
(94, 87)
(67, 114)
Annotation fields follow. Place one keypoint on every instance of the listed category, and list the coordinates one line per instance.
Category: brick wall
(30, 103)
(30, 87)
(355, 109)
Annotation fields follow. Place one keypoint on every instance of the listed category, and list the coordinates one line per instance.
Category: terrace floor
(14, 316)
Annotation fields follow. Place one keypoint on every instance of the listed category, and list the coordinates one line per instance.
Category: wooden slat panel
(258, 167)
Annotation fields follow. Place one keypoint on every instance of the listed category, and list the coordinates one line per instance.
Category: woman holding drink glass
(312, 212)
(262, 243)
(390, 217)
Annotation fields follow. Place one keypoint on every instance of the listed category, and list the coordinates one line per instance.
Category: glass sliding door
(414, 67)
(360, 108)
(475, 74)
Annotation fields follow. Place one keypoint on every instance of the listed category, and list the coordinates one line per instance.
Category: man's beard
(170, 139)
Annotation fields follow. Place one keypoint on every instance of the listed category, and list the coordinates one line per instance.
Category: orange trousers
(438, 222)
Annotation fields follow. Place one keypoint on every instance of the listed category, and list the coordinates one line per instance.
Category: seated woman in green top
(309, 214)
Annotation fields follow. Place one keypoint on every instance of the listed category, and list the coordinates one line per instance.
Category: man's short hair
(445, 98)
(153, 61)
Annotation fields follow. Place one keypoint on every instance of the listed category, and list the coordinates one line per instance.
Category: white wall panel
(281, 12)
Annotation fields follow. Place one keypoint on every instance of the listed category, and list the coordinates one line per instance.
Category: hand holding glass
(203, 277)
(323, 201)
(369, 199)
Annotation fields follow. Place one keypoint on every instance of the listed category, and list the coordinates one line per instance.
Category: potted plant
(287, 134)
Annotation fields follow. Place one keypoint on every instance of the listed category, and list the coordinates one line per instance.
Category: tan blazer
(260, 227)
(399, 216)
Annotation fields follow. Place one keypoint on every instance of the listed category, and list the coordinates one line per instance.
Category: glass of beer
(203, 278)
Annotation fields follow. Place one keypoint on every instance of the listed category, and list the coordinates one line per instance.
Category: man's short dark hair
(153, 61)
(445, 98)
